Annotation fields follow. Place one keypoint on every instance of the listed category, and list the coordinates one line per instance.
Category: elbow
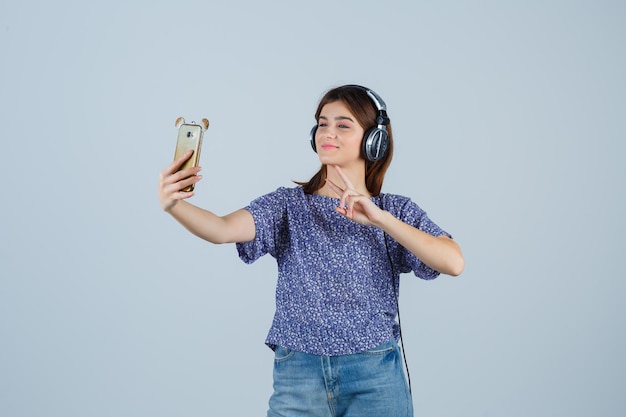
(454, 262)
(451, 261)
(456, 266)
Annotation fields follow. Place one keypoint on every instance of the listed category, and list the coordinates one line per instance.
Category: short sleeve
(409, 212)
(269, 213)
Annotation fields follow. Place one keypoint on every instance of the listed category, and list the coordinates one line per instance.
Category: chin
(342, 162)
(325, 160)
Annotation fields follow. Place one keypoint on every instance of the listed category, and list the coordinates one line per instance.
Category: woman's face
(338, 136)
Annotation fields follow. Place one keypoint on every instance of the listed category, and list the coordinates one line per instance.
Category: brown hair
(365, 112)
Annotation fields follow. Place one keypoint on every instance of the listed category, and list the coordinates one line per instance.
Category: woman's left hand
(354, 206)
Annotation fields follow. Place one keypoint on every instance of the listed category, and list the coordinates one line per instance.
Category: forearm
(235, 227)
(440, 253)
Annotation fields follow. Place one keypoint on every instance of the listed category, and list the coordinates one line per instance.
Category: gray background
(509, 126)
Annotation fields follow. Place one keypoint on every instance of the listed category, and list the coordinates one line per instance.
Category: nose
(328, 132)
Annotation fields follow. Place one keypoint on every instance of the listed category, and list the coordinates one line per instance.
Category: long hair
(365, 112)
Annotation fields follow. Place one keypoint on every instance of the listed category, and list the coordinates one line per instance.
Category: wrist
(168, 207)
(384, 220)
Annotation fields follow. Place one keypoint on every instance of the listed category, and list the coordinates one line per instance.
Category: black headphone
(375, 142)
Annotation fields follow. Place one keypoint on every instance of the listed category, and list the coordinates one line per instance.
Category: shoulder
(280, 196)
(408, 211)
(284, 192)
(397, 204)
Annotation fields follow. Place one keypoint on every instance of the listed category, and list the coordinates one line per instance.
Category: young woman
(340, 245)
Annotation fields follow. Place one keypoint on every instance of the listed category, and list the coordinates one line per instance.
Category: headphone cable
(395, 293)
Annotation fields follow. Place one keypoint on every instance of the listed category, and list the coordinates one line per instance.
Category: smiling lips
(328, 146)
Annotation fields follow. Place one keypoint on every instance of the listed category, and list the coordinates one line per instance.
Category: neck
(356, 175)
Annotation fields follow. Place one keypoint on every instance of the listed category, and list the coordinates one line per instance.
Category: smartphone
(189, 138)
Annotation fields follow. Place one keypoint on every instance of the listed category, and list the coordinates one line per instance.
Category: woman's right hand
(172, 181)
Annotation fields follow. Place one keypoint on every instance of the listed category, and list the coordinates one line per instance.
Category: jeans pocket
(382, 349)
(282, 354)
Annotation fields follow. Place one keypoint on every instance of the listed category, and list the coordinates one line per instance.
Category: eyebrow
(338, 118)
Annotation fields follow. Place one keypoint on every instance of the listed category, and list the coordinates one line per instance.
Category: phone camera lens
(189, 134)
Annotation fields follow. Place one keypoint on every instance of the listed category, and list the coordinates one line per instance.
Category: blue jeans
(368, 384)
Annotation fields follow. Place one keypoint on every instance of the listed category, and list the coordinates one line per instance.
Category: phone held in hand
(189, 138)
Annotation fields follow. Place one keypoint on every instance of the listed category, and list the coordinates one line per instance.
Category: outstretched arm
(440, 253)
(237, 226)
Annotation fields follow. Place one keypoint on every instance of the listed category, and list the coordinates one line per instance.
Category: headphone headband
(378, 101)
(382, 119)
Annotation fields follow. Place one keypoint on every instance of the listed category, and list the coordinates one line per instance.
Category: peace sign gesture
(354, 206)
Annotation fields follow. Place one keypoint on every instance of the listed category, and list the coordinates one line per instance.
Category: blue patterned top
(335, 292)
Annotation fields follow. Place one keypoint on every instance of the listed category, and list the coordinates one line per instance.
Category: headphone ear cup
(375, 143)
(312, 138)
